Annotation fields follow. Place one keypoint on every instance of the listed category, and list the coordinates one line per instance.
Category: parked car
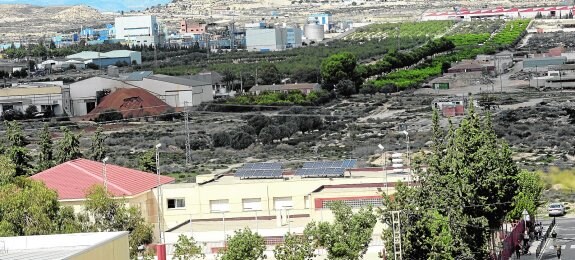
(556, 209)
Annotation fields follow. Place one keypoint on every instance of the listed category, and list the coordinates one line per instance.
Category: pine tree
(46, 158)
(16, 149)
(470, 172)
(98, 145)
(68, 147)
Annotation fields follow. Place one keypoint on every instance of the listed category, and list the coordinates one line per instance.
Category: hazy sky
(102, 5)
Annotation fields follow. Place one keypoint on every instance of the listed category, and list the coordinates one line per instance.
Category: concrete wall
(272, 39)
(174, 94)
(116, 249)
(197, 197)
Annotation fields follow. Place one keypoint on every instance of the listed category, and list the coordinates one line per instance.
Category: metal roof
(54, 247)
(139, 75)
(72, 179)
(178, 80)
(88, 55)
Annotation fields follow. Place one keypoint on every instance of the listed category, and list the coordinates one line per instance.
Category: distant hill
(31, 21)
(101, 5)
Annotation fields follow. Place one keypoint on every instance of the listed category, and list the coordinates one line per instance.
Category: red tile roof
(131, 102)
(72, 179)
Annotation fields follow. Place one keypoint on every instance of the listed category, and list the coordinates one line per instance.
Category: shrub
(109, 115)
(241, 140)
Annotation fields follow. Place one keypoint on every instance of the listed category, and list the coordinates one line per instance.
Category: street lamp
(384, 165)
(159, 191)
(104, 171)
(408, 157)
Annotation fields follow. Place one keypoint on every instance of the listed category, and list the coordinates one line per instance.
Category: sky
(102, 5)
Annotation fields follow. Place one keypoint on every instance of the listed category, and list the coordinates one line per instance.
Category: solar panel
(262, 166)
(349, 163)
(259, 173)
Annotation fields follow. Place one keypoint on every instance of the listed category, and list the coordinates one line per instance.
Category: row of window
(248, 204)
(356, 203)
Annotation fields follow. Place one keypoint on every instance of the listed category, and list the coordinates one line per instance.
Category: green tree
(338, 67)
(345, 88)
(109, 214)
(187, 248)
(68, 146)
(348, 236)
(17, 150)
(221, 139)
(244, 244)
(7, 170)
(31, 111)
(29, 208)
(368, 89)
(468, 167)
(530, 187)
(241, 140)
(147, 161)
(98, 147)
(109, 115)
(46, 156)
(258, 122)
(269, 134)
(294, 247)
(269, 74)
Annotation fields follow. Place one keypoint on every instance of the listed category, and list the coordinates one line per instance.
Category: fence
(511, 241)
(544, 239)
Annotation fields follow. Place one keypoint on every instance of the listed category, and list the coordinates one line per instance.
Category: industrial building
(76, 246)
(46, 96)
(500, 12)
(105, 59)
(273, 39)
(174, 91)
(323, 19)
(138, 30)
(541, 64)
(192, 27)
(313, 32)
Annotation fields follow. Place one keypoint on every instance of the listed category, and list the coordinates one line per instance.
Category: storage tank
(313, 32)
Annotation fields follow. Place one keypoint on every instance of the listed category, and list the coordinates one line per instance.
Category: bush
(242, 140)
(31, 111)
(221, 139)
(93, 66)
(109, 115)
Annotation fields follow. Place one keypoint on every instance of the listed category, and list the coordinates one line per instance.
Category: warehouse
(105, 59)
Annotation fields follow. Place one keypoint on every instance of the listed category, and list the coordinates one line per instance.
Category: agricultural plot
(508, 36)
(427, 29)
(474, 32)
(477, 27)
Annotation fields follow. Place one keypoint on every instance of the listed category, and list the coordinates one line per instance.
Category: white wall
(85, 90)
(137, 28)
(174, 94)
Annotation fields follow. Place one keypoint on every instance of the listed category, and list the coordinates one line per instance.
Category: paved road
(565, 229)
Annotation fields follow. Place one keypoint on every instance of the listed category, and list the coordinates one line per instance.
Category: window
(252, 204)
(356, 203)
(176, 203)
(283, 203)
(307, 201)
(219, 206)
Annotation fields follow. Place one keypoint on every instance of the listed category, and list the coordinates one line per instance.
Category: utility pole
(256, 76)
(396, 224)
(188, 142)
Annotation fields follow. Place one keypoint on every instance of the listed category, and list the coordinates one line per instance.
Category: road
(565, 228)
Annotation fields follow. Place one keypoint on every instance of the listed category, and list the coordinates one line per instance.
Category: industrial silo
(313, 32)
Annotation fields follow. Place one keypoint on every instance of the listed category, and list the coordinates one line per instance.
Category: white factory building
(137, 30)
(500, 12)
(273, 39)
(46, 96)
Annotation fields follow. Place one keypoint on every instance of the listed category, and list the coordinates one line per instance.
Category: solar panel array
(330, 164)
(262, 166)
(320, 172)
(325, 168)
(260, 171)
